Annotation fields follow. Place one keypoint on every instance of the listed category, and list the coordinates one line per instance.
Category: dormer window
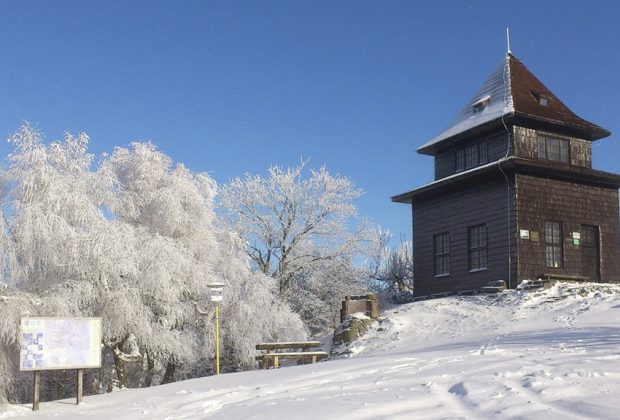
(480, 104)
(541, 99)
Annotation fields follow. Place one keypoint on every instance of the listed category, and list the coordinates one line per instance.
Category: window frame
(554, 245)
(477, 248)
(441, 256)
(471, 156)
(553, 148)
(459, 163)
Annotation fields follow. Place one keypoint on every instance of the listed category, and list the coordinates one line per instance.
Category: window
(477, 247)
(551, 148)
(471, 156)
(442, 254)
(541, 99)
(480, 104)
(553, 244)
(460, 160)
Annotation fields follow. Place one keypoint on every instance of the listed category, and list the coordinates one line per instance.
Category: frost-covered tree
(132, 240)
(391, 269)
(302, 230)
(317, 296)
(295, 224)
(184, 248)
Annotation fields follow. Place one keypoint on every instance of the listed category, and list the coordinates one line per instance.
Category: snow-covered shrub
(317, 296)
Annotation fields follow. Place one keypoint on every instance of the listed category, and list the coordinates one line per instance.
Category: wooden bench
(296, 350)
(563, 277)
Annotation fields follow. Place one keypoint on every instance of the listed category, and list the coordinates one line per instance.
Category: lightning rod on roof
(508, 40)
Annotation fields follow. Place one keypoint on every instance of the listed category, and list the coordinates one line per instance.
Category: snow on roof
(513, 89)
(496, 90)
(461, 173)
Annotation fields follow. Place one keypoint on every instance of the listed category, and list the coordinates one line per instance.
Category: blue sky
(230, 87)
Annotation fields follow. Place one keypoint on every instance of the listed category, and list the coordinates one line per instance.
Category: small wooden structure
(296, 350)
(368, 304)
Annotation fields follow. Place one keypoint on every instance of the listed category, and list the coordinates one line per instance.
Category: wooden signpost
(35, 392)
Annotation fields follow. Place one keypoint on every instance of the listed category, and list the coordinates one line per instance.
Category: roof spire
(508, 40)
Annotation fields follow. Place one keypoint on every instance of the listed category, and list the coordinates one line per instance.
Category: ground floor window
(477, 247)
(442, 254)
(553, 244)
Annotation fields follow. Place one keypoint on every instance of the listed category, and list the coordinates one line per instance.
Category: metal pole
(217, 339)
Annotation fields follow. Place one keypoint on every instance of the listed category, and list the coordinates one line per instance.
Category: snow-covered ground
(552, 354)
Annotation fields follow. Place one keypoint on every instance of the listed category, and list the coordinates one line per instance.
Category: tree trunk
(150, 361)
(169, 375)
(121, 370)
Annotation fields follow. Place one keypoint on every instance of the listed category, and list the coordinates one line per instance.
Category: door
(590, 256)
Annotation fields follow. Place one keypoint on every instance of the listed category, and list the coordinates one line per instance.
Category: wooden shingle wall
(478, 202)
(573, 204)
(526, 145)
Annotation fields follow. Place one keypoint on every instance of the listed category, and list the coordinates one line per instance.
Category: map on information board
(60, 343)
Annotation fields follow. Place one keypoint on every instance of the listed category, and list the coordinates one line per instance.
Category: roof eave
(432, 149)
(457, 178)
(520, 165)
(592, 133)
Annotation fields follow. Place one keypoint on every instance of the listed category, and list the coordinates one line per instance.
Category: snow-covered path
(548, 354)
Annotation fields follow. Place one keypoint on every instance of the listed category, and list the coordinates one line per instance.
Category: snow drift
(538, 354)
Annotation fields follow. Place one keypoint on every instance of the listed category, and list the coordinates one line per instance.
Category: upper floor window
(442, 254)
(471, 156)
(551, 148)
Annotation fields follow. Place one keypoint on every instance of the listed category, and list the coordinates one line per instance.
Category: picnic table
(274, 352)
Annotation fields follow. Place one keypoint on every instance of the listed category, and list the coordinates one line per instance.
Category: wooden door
(590, 256)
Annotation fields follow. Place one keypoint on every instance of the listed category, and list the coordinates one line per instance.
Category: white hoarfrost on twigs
(133, 239)
(302, 230)
(538, 354)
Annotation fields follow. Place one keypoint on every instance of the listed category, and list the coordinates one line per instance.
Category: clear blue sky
(231, 86)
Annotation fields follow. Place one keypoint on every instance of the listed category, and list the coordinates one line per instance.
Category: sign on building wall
(60, 343)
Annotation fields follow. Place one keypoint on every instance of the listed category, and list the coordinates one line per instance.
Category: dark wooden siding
(446, 161)
(573, 204)
(483, 201)
(526, 145)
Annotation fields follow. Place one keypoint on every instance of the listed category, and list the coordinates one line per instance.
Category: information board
(60, 343)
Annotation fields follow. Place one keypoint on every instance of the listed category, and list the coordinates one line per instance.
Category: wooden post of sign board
(80, 377)
(35, 391)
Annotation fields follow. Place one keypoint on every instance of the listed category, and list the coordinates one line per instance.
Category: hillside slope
(540, 355)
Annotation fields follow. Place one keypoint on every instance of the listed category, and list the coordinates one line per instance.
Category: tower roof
(513, 91)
